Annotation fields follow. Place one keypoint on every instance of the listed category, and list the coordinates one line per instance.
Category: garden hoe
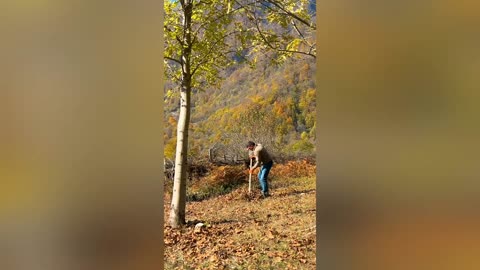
(250, 178)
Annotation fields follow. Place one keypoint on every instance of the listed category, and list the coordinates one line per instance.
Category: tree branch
(299, 52)
(297, 30)
(274, 2)
(202, 26)
(173, 59)
(209, 53)
(255, 20)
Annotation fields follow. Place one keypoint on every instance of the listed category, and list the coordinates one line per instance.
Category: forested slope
(271, 104)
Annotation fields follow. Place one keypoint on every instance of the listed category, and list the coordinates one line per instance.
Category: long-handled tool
(250, 178)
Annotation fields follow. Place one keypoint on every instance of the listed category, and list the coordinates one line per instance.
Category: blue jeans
(262, 176)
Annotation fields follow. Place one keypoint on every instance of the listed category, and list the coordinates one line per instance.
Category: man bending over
(262, 157)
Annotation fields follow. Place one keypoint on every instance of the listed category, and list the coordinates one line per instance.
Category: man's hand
(250, 171)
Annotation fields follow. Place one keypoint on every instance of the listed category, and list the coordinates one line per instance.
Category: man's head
(250, 145)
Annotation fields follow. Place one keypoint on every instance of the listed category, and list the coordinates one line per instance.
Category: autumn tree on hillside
(202, 37)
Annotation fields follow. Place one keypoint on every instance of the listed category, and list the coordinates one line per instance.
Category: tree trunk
(179, 194)
(210, 154)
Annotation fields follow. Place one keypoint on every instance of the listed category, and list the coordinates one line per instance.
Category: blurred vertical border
(397, 116)
(81, 137)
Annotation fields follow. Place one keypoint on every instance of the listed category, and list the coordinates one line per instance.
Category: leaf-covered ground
(247, 232)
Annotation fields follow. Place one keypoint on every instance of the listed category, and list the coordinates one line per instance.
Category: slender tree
(196, 50)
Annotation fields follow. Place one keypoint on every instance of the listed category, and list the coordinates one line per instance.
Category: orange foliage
(172, 121)
(294, 169)
(233, 175)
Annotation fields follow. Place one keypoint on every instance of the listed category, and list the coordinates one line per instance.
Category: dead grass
(246, 232)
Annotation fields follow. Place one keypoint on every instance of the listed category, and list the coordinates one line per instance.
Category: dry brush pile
(225, 179)
(294, 169)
